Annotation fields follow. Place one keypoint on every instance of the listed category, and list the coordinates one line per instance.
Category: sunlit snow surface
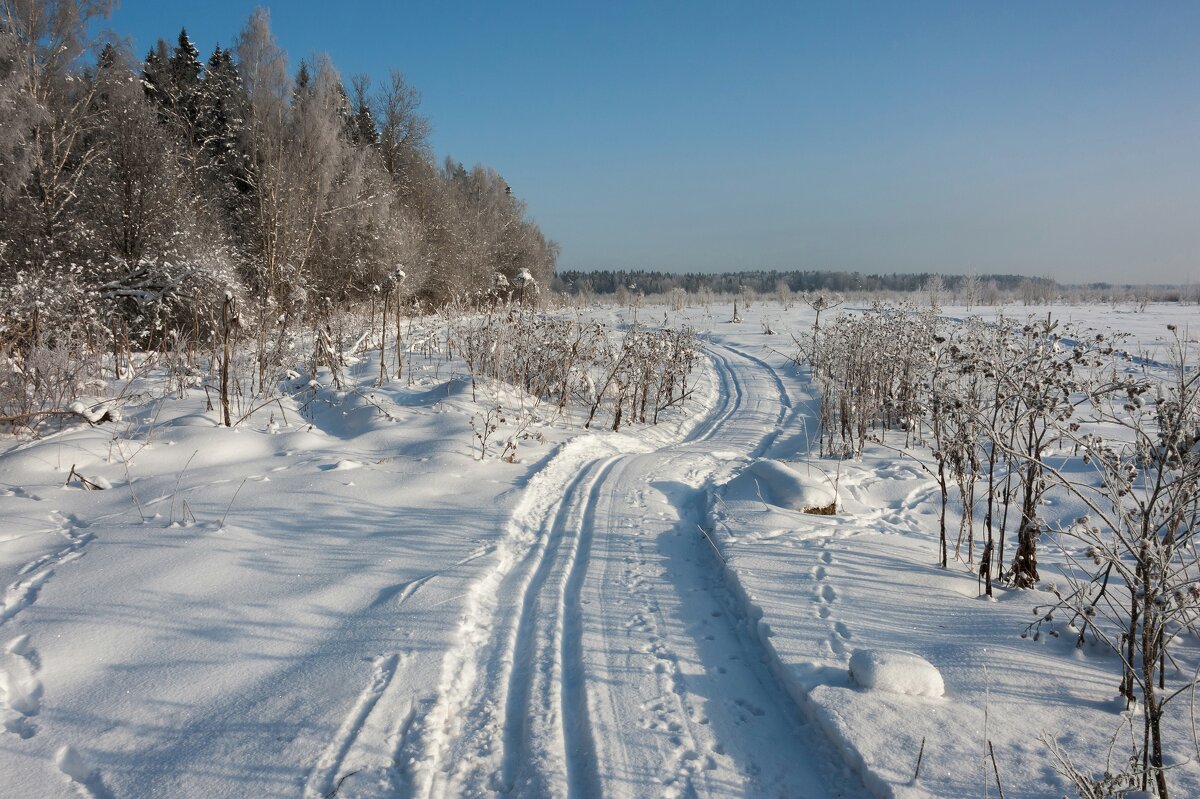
(337, 595)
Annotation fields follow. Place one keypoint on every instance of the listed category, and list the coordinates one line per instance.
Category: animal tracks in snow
(23, 591)
(603, 612)
(87, 780)
(827, 597)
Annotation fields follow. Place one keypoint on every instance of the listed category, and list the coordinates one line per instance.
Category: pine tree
(302, 79)
(221, 117)
(222, 108)
(185, 66)
(184, 70)
(345, 111)
(156, 79)
(364, 131)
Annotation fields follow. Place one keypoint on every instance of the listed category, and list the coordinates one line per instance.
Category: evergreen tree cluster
(141, 193)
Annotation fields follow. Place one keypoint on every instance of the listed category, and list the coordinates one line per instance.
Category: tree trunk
(1024, 563)
(942, 486)
(225, 355)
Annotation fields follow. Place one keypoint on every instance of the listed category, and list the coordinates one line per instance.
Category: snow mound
(781, 485)
(346, 465)
(194, 420)
(71, 763)
(896, 672)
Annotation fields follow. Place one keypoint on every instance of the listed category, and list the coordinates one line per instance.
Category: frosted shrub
(1042, 375)
(53, 347)
(1137, 589)
(1017, 402)
(575, 363)
(869, 368)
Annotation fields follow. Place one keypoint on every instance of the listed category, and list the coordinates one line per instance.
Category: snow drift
(896, 672)
(778, 484)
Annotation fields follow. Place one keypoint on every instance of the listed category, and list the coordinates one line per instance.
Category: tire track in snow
(547, 653)
(730, 394)
(784, 398)
(719, 719)
(452, 749)
(583, 778)
(788, 410)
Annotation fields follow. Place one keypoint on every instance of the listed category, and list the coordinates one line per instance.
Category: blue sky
(1058, 139)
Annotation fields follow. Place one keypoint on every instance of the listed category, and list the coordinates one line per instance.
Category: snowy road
(341, 598)
(604, 656)
(361, 608)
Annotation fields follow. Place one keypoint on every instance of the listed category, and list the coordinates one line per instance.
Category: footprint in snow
(80, 772)
(20, 688)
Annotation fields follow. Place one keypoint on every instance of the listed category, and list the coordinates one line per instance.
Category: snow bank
(779, 484)
(896, 672)
(881, 736)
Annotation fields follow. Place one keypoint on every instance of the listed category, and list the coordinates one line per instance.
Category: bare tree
(262, 66)
(403, 132)
(20, 118)
(44, 40)
(935, 287)
(972, 291)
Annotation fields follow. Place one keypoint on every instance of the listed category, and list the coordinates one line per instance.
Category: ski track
(363, 756)
(321, 782)
(550, 671)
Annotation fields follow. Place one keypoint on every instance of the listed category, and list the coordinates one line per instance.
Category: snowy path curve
(603, 655)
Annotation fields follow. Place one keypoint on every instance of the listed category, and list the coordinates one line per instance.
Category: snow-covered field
(338, 597)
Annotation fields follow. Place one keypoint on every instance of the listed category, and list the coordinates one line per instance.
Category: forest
(143, 199)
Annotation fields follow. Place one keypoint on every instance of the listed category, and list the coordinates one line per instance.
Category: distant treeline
(575, 282)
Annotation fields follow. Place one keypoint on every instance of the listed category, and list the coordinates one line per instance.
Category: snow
(71, 763)
(779, 484)
(650, 613)
(895, 672)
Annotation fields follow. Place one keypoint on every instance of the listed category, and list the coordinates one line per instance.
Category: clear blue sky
(1058, 138)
